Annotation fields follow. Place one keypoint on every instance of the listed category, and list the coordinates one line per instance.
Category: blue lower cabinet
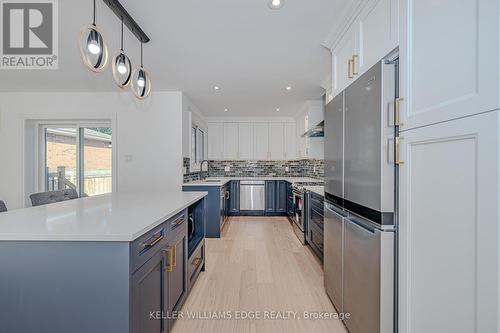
(234, 197)
(159, 287)
(281, 198)
(270, 196)
(276, 197)
(147, 283)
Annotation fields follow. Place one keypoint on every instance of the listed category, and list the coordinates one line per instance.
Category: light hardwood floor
(258, 265)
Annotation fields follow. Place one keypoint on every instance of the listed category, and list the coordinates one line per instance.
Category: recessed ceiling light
(226, 109)
(276, 4)
(288, 88)
(216, 88)
(278, 109)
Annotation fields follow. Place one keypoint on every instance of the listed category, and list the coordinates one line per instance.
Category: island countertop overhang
(116, 217)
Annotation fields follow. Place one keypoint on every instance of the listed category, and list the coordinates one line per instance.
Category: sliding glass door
(78, 157)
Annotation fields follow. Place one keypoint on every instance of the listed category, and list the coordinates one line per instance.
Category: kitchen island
(110, 263)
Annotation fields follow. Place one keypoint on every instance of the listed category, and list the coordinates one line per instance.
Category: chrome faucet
(201, 168)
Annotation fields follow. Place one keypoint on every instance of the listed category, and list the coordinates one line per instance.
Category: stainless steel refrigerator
(359, 201)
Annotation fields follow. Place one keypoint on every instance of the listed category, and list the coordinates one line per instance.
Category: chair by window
(44, 198)
(3, 208)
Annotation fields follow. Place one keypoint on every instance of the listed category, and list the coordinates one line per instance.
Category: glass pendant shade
(122, 69)
(141, 84)
(93, 49)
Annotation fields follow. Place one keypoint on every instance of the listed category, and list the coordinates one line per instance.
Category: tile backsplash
(294, 168)
(190, 176)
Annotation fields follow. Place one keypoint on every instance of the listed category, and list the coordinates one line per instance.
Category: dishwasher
(252, 195)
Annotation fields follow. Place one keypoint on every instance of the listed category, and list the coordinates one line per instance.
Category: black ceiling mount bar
(121, 12)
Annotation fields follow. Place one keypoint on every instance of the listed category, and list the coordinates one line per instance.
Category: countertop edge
(115, 238)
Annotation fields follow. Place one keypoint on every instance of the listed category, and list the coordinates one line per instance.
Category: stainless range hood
(317, 131)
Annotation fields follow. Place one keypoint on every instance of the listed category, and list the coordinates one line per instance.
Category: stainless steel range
(299, 222)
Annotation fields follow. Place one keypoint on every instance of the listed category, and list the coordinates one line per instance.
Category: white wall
(149, 131)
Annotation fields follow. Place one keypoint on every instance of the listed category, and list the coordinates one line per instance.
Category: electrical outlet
(128, 158)
(287, 169)
(227, 169)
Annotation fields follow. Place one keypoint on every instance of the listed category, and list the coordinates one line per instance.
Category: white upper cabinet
(301, 142)
(276, 141)
(373, 34)
(261, 141)
(449, 59)
(231, 141)
(377, 30)
(215, 141)
(245, 141)
(290, 141)
(343, 57)
(449, 226)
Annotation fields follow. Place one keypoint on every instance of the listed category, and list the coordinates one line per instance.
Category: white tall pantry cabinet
(449, 182)
(449, 207)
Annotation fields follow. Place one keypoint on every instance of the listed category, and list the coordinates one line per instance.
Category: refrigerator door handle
(335, 209)
(362, 225)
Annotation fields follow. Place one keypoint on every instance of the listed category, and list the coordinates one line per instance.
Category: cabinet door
(449, 60)
(270, 196)
(261, 141)
(177, 277)
(290, 141)
(215, 141)
(231, 141)
(146, 289)
(281, 198)
(235, 197)
(276, 141)
(342, 54)
(377, 33)
(334, 254)
(449, 226)
(301, 142)
(245, 141)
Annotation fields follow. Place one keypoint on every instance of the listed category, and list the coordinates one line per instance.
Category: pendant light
(121, 65)
(141, 85)
(93, 49)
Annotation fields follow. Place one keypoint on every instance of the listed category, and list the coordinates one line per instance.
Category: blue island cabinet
(95, 286)
(217, 206)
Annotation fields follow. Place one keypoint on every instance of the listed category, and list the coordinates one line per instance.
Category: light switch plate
(128, 158)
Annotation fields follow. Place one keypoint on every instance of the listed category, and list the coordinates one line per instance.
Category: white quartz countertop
(220, 181)
(320, 190)
(110, 217)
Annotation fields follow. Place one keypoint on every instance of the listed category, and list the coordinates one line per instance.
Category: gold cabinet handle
(170, 256)
(397, 160)
(157, 237)
(174, 255)
(354, 71)
(349, 66)
(397, 111)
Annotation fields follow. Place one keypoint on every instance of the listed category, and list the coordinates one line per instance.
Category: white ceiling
(249, 50)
